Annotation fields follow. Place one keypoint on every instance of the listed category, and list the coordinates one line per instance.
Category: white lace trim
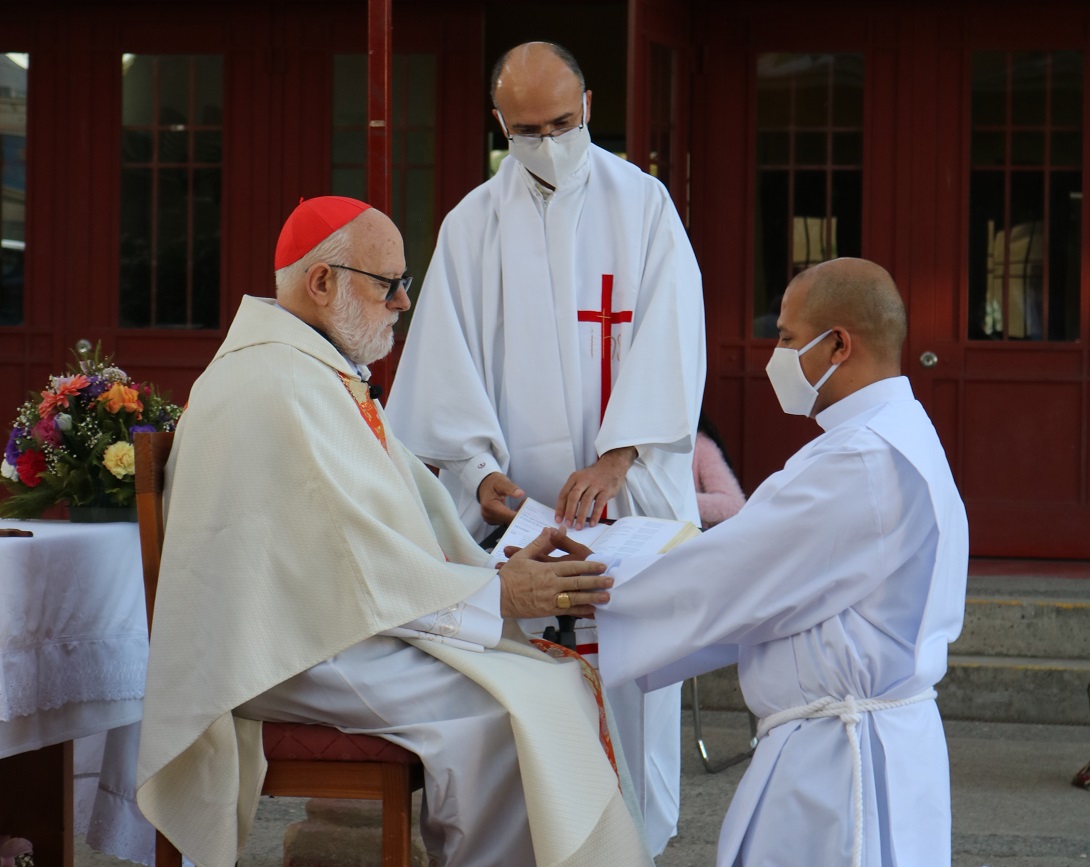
(118, 828)
(50, 675)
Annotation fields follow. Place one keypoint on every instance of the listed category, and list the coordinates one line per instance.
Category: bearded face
(361, 330)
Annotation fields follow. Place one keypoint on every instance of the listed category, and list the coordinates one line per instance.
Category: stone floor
(1013, 803)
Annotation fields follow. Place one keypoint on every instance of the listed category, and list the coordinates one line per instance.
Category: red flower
(29, 465)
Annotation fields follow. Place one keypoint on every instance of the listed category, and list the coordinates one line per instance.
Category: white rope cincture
(848, 711)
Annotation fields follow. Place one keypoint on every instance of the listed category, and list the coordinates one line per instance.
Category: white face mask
(553, 158)
(796, 395)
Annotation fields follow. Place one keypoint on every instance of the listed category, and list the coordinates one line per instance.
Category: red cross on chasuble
(607, 316)
(361, 394)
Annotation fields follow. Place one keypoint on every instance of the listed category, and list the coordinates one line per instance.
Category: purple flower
(11, 451)
(97, 386)
(139, 428)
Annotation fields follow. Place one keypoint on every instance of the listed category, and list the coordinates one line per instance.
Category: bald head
(534, 59)
(860, 296)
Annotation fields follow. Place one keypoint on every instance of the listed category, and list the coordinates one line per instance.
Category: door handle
(929, 359)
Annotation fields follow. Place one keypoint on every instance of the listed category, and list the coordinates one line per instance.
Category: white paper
(627, 537)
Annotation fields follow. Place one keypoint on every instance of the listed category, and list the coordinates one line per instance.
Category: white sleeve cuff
(476, 621)
(472, 471)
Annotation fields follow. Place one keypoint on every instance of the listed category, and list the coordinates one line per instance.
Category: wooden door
(659, 89)
(948, 145)
(998, 276)
(791, 160)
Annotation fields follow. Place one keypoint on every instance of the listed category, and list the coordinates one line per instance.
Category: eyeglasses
(395, 283)
(558, 135)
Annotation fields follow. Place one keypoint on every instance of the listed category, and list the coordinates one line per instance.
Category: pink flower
(46, 432)
(11, 848)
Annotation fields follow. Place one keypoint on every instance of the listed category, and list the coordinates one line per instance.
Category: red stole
(361, 394)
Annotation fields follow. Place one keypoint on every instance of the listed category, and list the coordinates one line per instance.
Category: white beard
(361, 340)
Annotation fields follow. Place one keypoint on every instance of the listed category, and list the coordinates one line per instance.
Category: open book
(625, 537)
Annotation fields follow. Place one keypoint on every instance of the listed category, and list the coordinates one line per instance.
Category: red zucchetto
(312, 221)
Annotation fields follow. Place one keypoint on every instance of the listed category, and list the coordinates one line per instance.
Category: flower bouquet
(15, 852)
(74, 444)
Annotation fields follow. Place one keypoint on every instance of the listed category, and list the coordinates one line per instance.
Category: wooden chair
(309, 761)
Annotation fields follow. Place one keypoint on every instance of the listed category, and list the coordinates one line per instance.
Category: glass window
(171, 190)
(1025, 195)
(809, 192)
(414, 88)
(349, 160)
(13, 150)
(662, 102)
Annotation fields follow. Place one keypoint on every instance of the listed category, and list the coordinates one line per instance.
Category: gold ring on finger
(563, 600)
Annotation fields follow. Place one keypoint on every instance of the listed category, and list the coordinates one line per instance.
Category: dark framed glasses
(395, 283)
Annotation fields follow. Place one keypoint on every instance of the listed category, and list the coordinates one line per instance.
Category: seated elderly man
(313, 570)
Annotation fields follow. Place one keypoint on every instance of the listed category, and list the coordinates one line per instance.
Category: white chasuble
(504, 363)
(291, 535)
(843, 575)
(534, 310)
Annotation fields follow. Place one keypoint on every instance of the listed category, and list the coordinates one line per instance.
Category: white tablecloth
(73, 657)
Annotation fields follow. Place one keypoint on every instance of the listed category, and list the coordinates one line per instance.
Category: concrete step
(1028, 626)
(1023, 655)
(1026, 616)
(1016, 689)
(986, 688)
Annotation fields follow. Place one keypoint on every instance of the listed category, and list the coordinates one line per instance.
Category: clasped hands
(532, 581)
(582, 499)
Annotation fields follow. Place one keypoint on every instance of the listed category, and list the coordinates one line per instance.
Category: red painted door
(659, 89)
(948, 145)
(998, 270)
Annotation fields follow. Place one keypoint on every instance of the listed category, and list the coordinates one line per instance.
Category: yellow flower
(120, 459)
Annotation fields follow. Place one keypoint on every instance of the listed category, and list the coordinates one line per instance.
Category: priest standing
(558, 352)
(313, 570)
(837, 588)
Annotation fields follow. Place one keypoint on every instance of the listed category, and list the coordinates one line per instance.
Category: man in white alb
(313, 570)
(557, 351)
(837, 588)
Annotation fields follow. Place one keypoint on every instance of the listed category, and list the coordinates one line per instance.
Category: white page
(532, 518)
(631, 536)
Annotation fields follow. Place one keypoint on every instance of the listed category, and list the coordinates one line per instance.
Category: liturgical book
(628, 536)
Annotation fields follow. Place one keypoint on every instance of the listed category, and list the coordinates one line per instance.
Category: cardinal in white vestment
(837, 588)
(558, 352)
(313, 570)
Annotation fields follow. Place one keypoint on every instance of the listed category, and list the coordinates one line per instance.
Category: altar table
(73, 657)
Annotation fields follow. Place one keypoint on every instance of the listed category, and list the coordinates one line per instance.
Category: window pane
(207, 187)
(170, 191)
(415, 87)
(173, 89)
(1029, 76)
(414, 91)
(136, 226)
(137, 96)
(13, 150)
(349, 138)
(809, 177)
(349, 90)
(208, 94)
(1064, 255)
(1025, 201)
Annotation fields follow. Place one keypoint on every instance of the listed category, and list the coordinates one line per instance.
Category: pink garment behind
(718, 493)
